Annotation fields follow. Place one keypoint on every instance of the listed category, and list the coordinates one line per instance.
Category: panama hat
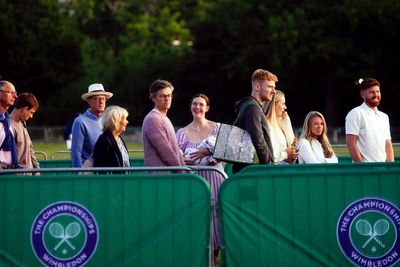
(96, 89)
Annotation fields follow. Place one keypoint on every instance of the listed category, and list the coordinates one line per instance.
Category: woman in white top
(314, 146)
(280, 130)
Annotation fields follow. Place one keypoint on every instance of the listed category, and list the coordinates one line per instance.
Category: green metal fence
(319, 218)
(104, 220)
(264, 168)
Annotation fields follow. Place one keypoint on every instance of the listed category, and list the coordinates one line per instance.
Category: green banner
(104, 220)
(319, 218)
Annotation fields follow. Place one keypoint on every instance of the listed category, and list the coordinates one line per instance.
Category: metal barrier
(42, 154)
(68, 152)
(395, 145)
(53, 155)
(310, 218)
(116, 169)
(120, 170)
(105, 220)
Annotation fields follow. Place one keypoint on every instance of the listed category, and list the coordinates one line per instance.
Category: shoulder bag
(234, 144)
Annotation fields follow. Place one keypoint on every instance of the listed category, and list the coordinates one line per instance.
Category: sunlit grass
(54, 149)
(60, 151)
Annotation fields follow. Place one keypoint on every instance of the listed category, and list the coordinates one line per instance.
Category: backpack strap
(249, 102)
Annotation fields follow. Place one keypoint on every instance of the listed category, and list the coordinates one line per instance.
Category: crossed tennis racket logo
(380, 228)
(71, 231)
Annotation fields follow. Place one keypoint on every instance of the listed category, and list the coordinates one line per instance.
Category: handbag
(234, 144)
(88, 164)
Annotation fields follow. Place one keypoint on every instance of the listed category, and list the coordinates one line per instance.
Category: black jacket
(254, 121)
(106, 152)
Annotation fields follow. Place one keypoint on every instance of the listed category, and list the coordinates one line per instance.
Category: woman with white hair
(314, 146)
(110, 149)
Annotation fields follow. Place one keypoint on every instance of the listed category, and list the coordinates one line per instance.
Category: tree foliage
(317, 48)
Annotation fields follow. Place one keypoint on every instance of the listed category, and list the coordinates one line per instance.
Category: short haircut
(367, 83)
(263, 75)
(4, 84)
(26, 100)
(112, 116)
(159, 85)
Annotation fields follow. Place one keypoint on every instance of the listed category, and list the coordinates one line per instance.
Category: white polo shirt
(372, 128)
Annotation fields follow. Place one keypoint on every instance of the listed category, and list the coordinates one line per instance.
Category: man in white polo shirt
(368, 136)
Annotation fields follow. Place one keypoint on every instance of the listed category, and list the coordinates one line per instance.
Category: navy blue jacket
(106, 152)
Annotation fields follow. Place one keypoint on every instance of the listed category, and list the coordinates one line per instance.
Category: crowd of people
(96, 134)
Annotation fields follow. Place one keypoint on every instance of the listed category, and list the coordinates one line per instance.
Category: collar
(91, 115)
(370, 110)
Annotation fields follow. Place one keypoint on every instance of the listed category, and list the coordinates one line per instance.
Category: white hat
(96, 89)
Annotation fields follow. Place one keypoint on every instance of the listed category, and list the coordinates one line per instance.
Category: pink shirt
(159, 141)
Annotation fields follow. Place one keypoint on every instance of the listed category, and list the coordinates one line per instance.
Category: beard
(373, 102)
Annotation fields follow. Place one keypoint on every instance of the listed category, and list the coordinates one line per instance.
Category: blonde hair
(271, 115)
(112, 116)
(323, 138)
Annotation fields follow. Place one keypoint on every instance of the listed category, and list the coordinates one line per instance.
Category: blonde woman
(280, 130)
(110, 149)
(314, 146)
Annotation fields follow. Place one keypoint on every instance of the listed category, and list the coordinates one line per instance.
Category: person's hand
(292, 155)
(193, 156)
(189, 161)
(201, 152)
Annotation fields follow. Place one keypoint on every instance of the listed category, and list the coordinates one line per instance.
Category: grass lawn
(50, 148)
(60, 151)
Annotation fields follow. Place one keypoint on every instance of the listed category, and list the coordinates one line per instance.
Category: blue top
(86, 129)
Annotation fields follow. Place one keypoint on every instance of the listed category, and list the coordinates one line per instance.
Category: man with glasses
(253, 118)
(159, 139)
(87, 127)
(8, 150)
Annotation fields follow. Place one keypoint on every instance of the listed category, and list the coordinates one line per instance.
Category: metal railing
(189, 169)
(40, 154)
(139, 151)
(395, 145)
(68, 152)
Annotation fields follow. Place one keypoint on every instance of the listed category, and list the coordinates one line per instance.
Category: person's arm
(306, 152)
(102, 152)
(252, 122)
(351, 143)
(157, 134)
(286, 126)
(332, 159)
(35, 162)
(78, 137)
(389, 150)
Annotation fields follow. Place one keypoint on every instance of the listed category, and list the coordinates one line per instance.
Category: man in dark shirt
(253, 119)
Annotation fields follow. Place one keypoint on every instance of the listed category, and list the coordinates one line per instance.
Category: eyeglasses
(9, 92)
(165, 96)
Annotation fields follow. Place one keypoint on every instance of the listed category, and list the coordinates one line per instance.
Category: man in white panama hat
(87, 126)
